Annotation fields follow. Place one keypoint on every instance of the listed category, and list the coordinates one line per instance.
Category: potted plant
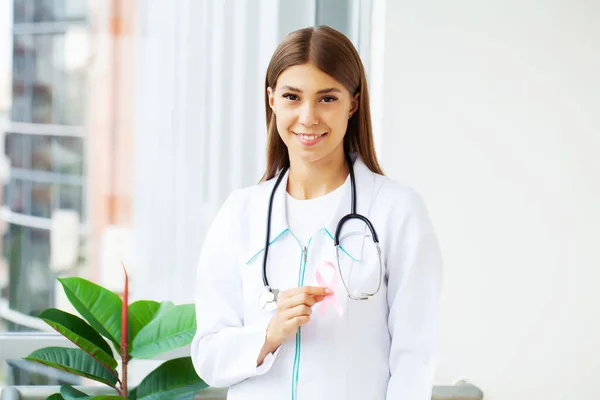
(141, 330)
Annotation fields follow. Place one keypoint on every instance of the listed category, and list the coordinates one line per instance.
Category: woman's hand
(294, 307)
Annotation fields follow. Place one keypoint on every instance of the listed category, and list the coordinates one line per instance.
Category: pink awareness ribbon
(331, 284)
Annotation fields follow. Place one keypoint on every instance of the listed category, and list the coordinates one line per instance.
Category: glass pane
(41, 199)
(59, 10)
(16, 196)
(40, 280)
(17, 146)
(75, 9)
(3, 284)
(49, 76)
(70, 81)
(44, 10)
(27, 252)
(13, 245)
(59, 88)
(41, 153)
(70, 198)
(68, 155)
(23, 11)
(20, 111)
(45, 65)
(30, 290)
(23, 51)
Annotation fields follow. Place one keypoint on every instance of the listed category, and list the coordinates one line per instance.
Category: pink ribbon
(332, 284)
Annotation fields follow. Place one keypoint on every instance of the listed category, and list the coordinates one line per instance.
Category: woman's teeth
(310, 137)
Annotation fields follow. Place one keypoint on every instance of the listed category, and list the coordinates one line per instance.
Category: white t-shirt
(305, 217)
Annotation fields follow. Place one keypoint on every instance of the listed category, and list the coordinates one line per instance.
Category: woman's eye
(290, 96)
(328, 99)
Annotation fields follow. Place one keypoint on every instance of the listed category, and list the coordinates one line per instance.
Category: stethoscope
(268, 299)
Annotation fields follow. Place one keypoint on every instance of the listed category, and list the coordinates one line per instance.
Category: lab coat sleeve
(224, 350)
(414, 267)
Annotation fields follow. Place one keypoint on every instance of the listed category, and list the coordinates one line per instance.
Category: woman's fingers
(319, 299)
(295, 322)
(296, 311)
(309, 290)
(301, 298)
(308, 295)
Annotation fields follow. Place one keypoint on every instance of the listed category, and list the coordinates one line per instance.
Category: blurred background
(126, 123)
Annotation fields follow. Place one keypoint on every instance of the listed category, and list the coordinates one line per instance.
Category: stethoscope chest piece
(268, 299)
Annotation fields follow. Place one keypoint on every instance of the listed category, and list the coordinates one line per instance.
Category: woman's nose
(308, 115)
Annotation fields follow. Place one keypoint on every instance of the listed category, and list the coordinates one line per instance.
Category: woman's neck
(310, 180)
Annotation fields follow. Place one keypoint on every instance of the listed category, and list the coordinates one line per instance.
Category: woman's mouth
(309, 139)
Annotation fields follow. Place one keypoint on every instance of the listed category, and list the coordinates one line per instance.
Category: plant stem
(124, 378)
(125, 334)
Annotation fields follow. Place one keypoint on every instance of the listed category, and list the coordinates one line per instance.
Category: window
(70, 139)
(45, 148)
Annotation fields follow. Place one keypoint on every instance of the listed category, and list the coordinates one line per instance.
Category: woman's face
(312, 111)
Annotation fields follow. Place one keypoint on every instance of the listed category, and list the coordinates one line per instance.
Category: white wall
(491, 109)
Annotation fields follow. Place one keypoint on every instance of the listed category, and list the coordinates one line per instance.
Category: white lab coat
(381, 348)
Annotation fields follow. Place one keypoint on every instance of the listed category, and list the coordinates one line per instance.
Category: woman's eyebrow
(322, 91)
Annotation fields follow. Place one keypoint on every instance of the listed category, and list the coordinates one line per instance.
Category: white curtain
(200, 130)
(200, 125)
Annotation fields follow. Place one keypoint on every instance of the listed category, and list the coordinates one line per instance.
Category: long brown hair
(334, 54)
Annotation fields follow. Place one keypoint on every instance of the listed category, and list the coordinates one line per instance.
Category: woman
(283, 313)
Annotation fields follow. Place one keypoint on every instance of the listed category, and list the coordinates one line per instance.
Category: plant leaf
(75, 361)
(186, 396)
(174, 328)
(174, 379)
(70, 393)
(99, 306)
(56, 396)
(80, 333)
(107, 398)
(142, 312)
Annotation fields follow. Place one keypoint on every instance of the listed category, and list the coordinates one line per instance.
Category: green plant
(141, 330)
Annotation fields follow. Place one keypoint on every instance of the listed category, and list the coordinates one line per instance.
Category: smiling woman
(338, 233)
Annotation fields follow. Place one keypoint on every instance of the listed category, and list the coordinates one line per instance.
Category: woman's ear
(354, 105)
(271, 95)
